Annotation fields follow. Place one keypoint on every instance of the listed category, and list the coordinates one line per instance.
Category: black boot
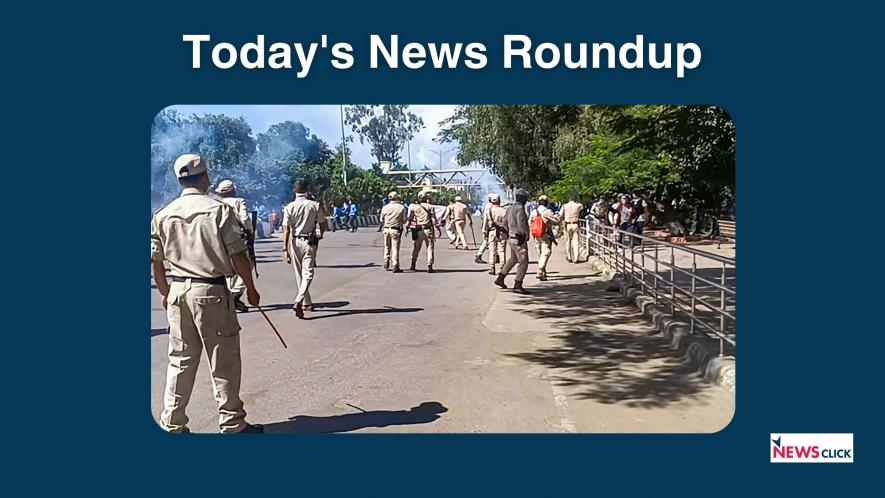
(478, 260)
(492, 271)
(299, 311)
(412, 266)
(386, 265)
(430, 269)
(500, 281)
(396, 269)
(518, 288)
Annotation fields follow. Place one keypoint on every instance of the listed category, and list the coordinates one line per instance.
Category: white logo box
(811, 448)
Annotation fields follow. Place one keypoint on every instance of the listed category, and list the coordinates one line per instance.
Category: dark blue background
(86, 82)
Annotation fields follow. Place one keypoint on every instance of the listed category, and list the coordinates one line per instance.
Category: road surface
(448, 352)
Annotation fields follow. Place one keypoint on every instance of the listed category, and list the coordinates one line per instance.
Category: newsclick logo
(812, 448)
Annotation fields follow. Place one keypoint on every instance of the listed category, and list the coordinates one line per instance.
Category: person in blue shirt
(351, 212)
(336, 216)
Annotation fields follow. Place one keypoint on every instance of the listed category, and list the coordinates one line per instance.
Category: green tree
(515, 141)
(386, 128)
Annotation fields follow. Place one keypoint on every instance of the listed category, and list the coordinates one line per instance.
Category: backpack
(537, 229)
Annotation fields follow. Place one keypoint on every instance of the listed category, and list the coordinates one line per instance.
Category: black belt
(201, 280)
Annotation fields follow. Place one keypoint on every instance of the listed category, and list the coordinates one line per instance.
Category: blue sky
(325, 122)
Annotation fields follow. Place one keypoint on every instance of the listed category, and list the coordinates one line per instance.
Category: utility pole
(343, 148)
(441, 153)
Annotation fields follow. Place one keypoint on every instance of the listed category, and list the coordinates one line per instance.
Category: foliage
(263, 167)
(386, 128)
(515, 141)
(681, 156)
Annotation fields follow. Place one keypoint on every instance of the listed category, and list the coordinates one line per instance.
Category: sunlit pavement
(448, 352)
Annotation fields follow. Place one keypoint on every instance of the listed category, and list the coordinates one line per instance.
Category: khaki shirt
(422, 214)
(459, 212)
(516, 221)
(239, 206)
(447, 214)
(494, 216)
(197, 235)
(302, 216)
(392, 215)
(571, 212)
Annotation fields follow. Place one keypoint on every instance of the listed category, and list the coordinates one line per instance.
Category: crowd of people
(205, 241)
(626, 212)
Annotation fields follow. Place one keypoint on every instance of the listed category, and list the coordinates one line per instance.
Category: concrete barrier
(697, 350)
(366, 220)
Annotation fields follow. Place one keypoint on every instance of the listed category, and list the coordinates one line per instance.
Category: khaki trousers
(303, 262)
(202, 317)
(449, 231)
(425, 237)
(545, 249)
(572, 232)
(497, 248)
(392, 239)
(459, 231)
(519, 257)
(482, 247)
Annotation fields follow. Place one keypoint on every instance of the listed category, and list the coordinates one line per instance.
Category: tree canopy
(386, 128)
(263, 166)
(680, 155)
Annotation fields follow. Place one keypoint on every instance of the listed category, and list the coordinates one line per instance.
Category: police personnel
(461, 216)
(392, 220)
(571, 216)
(422, 221)
(304, 221)
(448, 221)
(485, 239)
(546, 240)
(202, 239)
(516, 223)
(493, 230)
(227, 191)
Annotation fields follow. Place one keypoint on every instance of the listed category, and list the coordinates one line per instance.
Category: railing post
(672, 282)
(694, 271)
(722, 310)
(657, 273)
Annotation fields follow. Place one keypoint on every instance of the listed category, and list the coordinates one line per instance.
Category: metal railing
(698, 286)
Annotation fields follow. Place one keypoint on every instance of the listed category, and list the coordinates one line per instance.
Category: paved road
(448, 352)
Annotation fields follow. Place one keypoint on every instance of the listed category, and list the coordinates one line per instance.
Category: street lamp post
(441, 153)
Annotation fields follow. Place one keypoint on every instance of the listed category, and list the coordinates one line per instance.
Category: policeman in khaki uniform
(448, 222)
(517, 225)
(227, 191)
(485, 240)
(461, 215)
(494, 232)
(202, 239)
(304, 224)
(423, 217)
(545, 241)
(571, 216)
(392, 219)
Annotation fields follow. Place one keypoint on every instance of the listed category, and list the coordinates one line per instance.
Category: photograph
(395, 268)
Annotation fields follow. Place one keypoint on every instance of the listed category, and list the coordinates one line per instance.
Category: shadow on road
(288, 306)
(366, 265)
(424, 413)
(604, 350)
(368, 311)
(162, 331)
(484, 269)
